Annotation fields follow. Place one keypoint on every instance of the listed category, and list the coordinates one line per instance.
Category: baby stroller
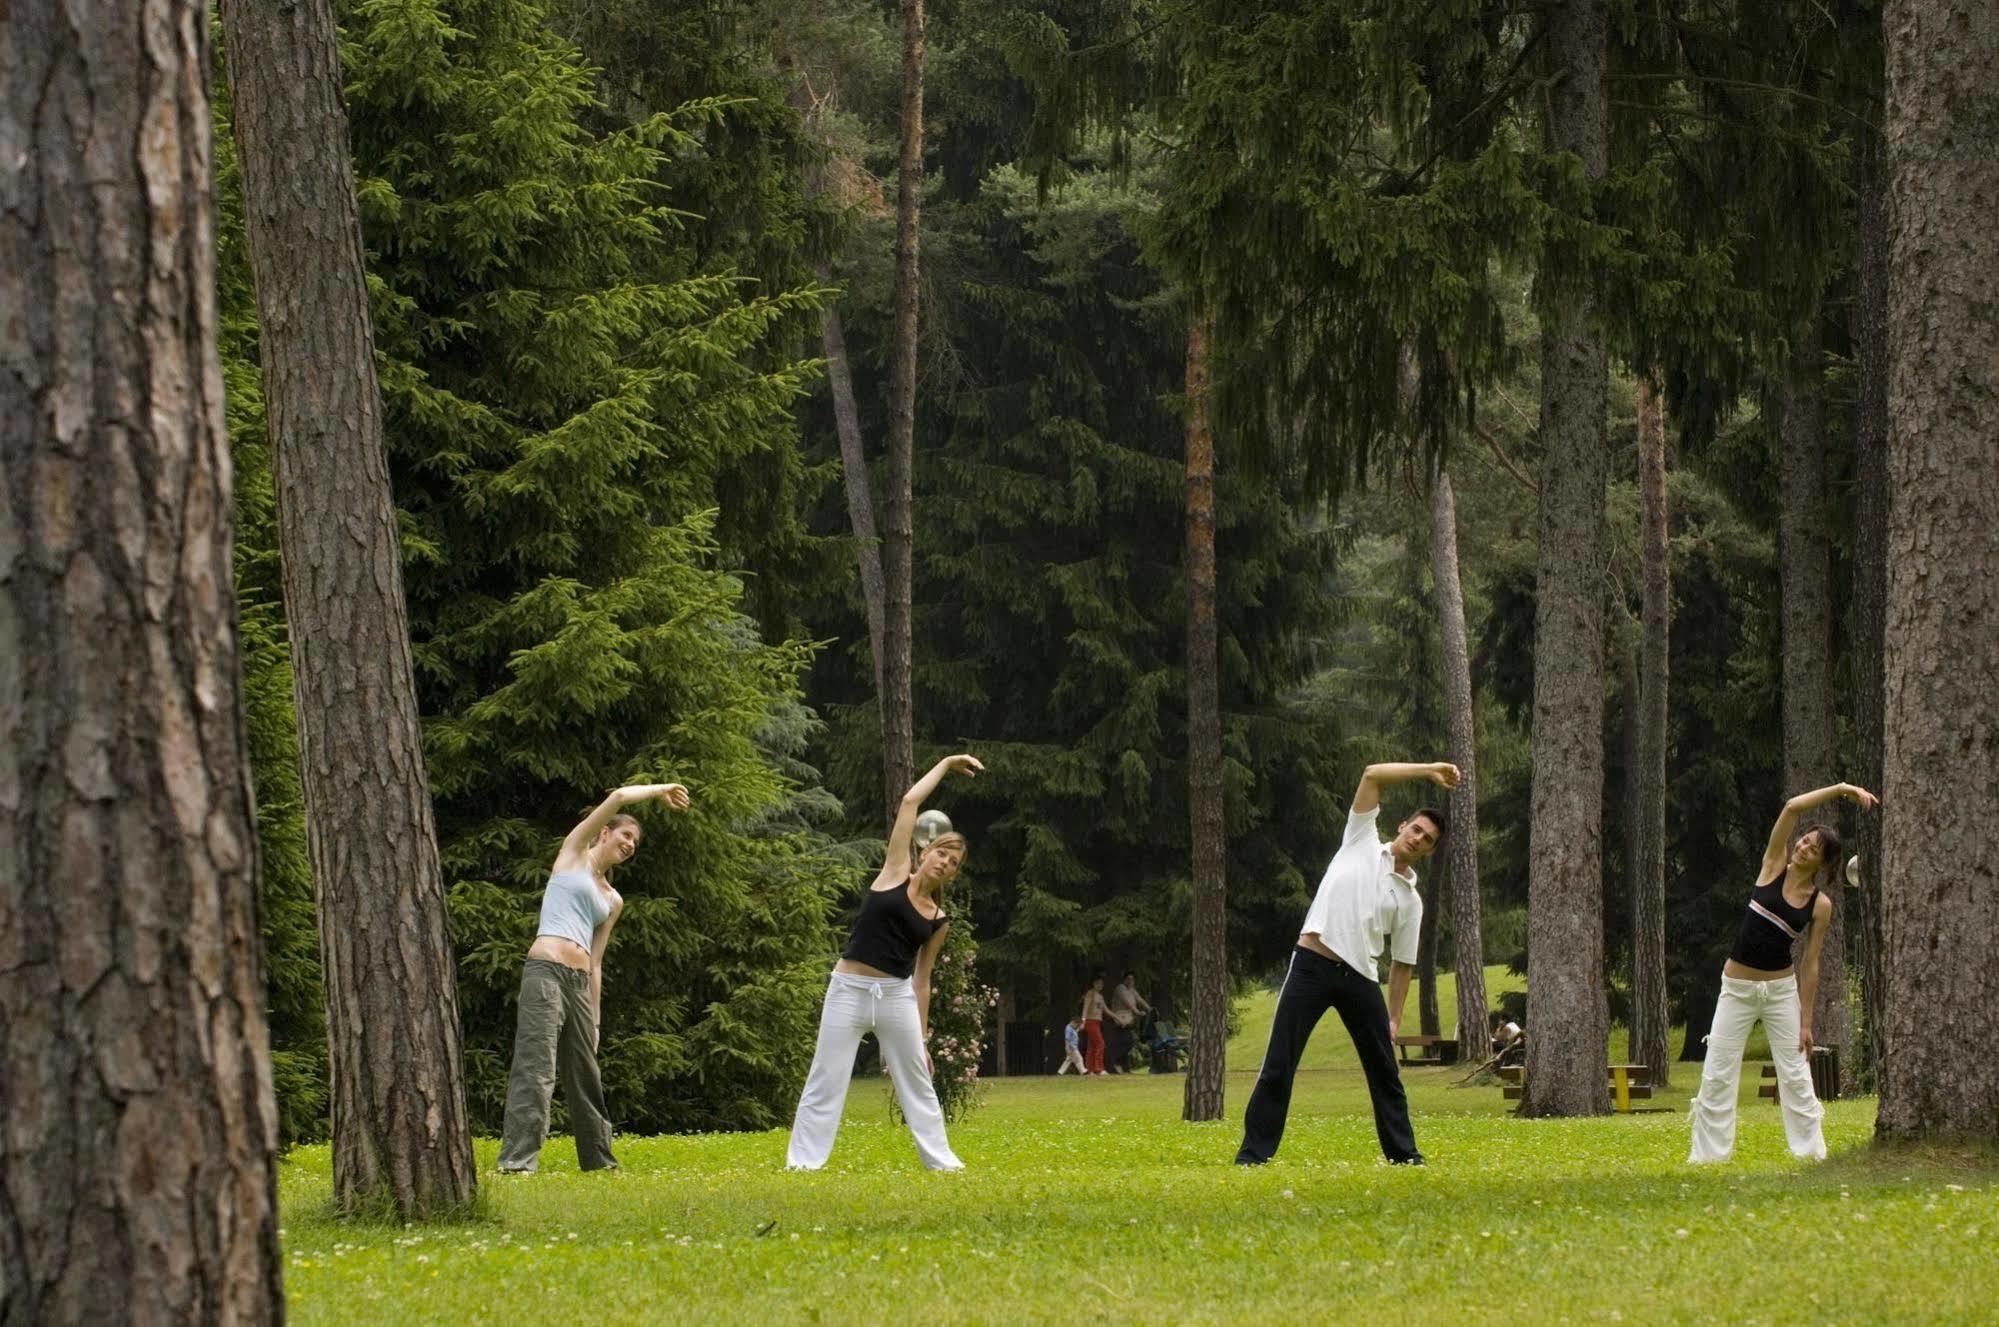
(1166, 1046)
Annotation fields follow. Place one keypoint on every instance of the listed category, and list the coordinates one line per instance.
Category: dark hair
(1828, 848)
(1130, 973)
(1435, 817)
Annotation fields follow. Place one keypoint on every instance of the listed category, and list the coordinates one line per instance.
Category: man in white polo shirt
(1367, 901)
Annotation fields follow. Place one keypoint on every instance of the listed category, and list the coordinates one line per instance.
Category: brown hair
(1828, 853)
(619, 821)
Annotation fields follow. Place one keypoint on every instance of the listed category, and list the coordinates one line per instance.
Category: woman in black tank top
(1760, 984)
(882, 985)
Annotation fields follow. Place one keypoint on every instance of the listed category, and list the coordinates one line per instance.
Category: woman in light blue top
(562, 984)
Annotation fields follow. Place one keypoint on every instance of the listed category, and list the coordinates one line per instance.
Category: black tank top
(1769, 928)
(889, 931)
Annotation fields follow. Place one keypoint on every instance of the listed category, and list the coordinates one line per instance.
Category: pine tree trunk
(1209, 1031)
(1428, 1021)
(1652, 1019)
(401, 1137)
(1810, 740)
(854, 468)
(1939, 800)
(898, 542)
(138, 1130)
(1870, 567)
(1461, 842)
(1569, 1020)
(1629, 643)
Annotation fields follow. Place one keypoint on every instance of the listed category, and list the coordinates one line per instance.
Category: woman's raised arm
(904, 829)
(1777, 851)
(587, 829)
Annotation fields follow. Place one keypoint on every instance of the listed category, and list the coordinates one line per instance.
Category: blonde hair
(950, 838)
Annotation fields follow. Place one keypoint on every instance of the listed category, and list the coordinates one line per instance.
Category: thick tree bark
(854, 466)
(401, 1136)
(1810, 739)
(138, 1130)
(1568, 1017)
(1461, 843)
(898, 684)
(1940, 803)
(1205, 1067)
(1629, 641)
(1870, 567)
(1428, 1021)
(1651, 1021)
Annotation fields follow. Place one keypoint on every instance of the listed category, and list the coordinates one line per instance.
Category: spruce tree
(1051, 596)
(565, 395)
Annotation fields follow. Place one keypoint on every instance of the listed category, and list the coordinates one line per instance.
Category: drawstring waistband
(875, 986)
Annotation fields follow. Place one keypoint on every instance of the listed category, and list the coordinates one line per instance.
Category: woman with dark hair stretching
(1759, 982)
(882, 985)
(562, 986)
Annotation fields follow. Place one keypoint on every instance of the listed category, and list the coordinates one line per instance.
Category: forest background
(604, 241)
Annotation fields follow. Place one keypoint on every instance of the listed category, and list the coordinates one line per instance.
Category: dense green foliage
(564, 395)
(598, 268)
(1050, 605)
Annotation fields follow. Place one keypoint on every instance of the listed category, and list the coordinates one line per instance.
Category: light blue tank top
(572, 908)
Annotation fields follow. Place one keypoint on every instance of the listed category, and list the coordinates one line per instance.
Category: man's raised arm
(1368, 796)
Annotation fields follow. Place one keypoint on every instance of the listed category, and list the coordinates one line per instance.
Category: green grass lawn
(1090, 1200)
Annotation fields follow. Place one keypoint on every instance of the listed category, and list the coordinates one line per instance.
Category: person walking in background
(882, 985)
(1125, 1008)
(1072, 1050)
(562, 985)
(1093, 1027)
(1759, 982)
(1367, 901)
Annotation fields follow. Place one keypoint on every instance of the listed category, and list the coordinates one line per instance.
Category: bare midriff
(1741, 972)
(1310, 940)
(555, 949)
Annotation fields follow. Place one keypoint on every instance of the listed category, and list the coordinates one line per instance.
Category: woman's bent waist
(560, 949)
(853, 967)
(1734, 971)
(876, 983)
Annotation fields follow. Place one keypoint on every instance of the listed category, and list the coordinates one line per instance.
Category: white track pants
(1713, 1114)
(856, 1006)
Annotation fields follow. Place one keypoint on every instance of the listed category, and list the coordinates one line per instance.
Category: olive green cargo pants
(556, 1034)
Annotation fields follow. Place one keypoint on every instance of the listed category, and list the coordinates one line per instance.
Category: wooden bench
(1628, 1083)
(1435, 1050)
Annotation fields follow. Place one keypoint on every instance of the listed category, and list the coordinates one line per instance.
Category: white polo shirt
(1364, 904)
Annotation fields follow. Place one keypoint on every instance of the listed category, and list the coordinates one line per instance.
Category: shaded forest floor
(1091, 1201)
